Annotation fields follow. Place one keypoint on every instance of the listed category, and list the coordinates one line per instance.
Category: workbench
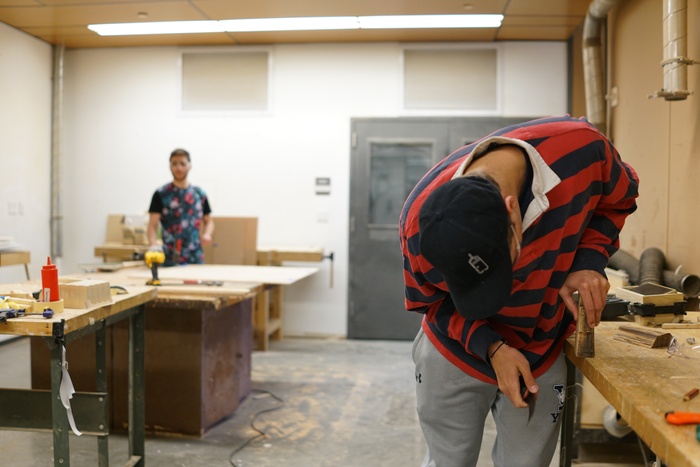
(42, 410)
(16, 258)
(267, 317)
(642, 384)
(199, 342)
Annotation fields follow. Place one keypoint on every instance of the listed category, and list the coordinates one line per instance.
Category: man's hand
(206, 239)
(592, 288)
(509, 364)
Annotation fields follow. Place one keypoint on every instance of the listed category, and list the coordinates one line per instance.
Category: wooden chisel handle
(584, 345)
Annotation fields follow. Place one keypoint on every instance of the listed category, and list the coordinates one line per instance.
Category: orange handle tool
(682, 418)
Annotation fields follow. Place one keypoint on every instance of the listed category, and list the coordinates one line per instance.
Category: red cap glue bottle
(49, 280)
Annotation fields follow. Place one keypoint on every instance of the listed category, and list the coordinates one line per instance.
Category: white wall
(25, 147)
(122, 121)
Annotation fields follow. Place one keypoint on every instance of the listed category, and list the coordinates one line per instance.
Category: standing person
(182, 210)
(496, 238)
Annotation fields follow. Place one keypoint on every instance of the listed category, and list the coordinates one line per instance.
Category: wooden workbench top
(642, 384)
(179, 295)
(75, 319)
(273, 275)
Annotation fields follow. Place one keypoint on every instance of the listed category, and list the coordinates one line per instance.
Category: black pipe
(651, 266)
(626, 262)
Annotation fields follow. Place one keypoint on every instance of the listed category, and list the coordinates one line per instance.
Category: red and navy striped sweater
(574, 206)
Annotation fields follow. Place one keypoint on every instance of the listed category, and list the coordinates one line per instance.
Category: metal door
(388, 157)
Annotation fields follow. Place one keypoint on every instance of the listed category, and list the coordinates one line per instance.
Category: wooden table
(43, 410)
(198, 342)
(267, 317)
(12, 258)
(642, 384)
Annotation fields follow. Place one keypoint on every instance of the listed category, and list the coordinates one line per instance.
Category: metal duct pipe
(56, 130)
(593, 68)
(688, 284)
(651, 266)
(625, 262)
(675, 63)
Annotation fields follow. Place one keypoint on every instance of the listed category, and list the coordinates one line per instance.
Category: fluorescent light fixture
(430, 21)
(163, 27)
(316, 23)
(300, 24)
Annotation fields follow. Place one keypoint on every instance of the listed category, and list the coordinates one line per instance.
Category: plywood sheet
(234, 241)
(278, 275)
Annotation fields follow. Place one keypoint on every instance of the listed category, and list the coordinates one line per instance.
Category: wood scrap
(648, 338)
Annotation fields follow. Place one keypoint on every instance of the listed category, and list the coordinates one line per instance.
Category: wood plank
(280, 275)
(277, 255)
(118, 250)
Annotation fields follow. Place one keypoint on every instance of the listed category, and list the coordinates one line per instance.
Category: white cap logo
(478, 264)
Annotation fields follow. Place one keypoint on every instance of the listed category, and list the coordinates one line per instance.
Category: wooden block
(649, 294)
(644, 337)
(661, 319)
(127, 235)
(585, 337)
(84, 293)
(114, 228)
(140, 237)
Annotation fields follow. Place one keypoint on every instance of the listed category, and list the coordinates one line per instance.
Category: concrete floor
(318, 402)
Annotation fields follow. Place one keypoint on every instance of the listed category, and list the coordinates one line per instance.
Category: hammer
(584, 345)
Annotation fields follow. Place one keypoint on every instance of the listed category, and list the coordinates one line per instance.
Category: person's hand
(510, 364)
(206, 239)
(592, 288)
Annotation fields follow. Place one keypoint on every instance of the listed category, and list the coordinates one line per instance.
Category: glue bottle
(49, 280)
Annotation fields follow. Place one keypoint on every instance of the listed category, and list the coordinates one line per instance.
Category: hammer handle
(585, 337)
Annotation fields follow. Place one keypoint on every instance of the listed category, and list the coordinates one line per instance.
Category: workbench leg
(567, 426)
(276, 311)
(137, 406)
(101, 385)
(59, 416)
(260, 320)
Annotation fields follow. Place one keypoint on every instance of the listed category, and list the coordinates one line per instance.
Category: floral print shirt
(181, 211)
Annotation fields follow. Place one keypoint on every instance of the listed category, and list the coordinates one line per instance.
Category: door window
(395, 169)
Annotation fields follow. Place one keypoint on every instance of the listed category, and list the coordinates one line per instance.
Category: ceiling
(65, 21)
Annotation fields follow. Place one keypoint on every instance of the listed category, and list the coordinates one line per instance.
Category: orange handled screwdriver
(682, 418)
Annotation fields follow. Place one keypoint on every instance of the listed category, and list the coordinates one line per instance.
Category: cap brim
(486, 298)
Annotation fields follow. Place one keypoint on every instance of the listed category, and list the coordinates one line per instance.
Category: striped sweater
(577, 196)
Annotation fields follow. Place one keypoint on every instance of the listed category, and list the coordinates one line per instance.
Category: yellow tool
(153, 258)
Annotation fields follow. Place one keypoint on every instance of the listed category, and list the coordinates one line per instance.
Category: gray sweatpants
(453, 406)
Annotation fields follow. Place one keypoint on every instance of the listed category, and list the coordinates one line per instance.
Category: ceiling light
(163, 27)
(290, 24)
(300, 24)
(430, 21)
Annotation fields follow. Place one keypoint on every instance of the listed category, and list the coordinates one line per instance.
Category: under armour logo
(418, 378)
(561, 393)
(478, 264)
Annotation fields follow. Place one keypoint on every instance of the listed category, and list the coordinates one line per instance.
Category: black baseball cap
(463, 227)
